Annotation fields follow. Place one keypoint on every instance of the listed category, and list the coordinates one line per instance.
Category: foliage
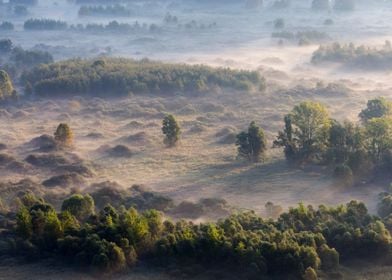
(6, 87)
(29, 58)
(376, 108)
(353, 151)
(79, 206)
(63, 135)
(359, 57)
(310, 274)
(252, 144)
(298, 243)
(122, 76)
(171, 130)
(44, 24)
(305, 134)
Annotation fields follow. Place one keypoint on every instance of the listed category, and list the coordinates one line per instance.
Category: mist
(114, 71)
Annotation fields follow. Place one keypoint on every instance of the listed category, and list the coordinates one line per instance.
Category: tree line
(301, 242)
(118, 76)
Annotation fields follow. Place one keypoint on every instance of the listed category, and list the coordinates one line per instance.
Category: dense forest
(112, 76)
(300, 242)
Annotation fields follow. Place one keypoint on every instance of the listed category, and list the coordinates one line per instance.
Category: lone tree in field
(306, 131)
(63, 135)
(252, 144)
(171, 130)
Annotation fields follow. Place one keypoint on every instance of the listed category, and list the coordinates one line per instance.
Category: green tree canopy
(171, 130)
(63, 135)
(252, 144)
(6, 86)
(306, 131)
(376, 108)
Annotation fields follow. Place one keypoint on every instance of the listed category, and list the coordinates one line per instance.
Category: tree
(378, 138)
(78, 205)
(252, 144)
(63, 135)
(285, 139)
(310, 274)
(24, 227)
(344, 140)
(376, 108)
(329, 257)
(306, 131)
(6, 87)
(171, 130)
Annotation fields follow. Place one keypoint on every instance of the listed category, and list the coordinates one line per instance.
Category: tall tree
(252, 144)
(63, 135)
(171, 130)
(6, 87)
(306, 131)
